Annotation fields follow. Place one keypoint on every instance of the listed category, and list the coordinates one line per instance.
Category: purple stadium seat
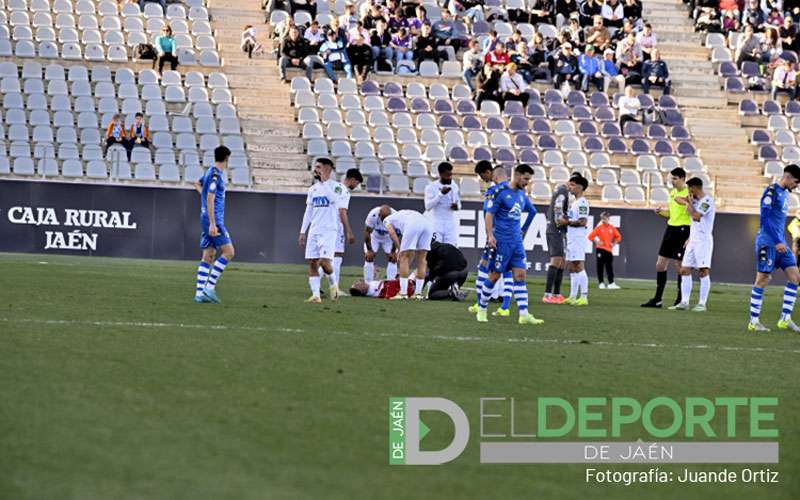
(534, 95)
(582, 113)
(547, 141)
(442, 106)
(593, 144)
(513, 108)
(792, 108)
(518, 124)
(529, 156)
(396, 105)
(789, 55)
(505, 155)
(604, 114)
(392, 89)
(552, 96)
(728, 69)
(369, 87)
(472, 122)
(448, 122)
(535, 110)
(663, 148)
(420, 105)
(656, 131)
(598, 99)
(686, 149)
(771, 107)
(646, 101)
(671, 117)
(523, 140)
(495, 123)
(679, 133)
(760, 137)
(482, 153)
(557, 111)
(374, 184)
(465, 107)
(541, 126)
(735, 85)
(750, 68)
(617, 146)
(458, 154)
(767, 153)
(587, 128)
(640, 146)
(610, 129)
(633, 130)
(667, 102)
(576, 98)
(481, 28)
(748, 107)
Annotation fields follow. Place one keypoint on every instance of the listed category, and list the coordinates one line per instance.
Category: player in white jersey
(352, 180)
(376, 238)
(412, 233)
(700, 246)
(442, 202)
(577, 221)
(321, 221)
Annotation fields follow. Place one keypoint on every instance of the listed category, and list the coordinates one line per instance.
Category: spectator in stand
(381, 41)
(115, 133)
(166, 49)
(566, 9)
(341, 32)
(402, 44)
(588, 10)
(498, 57)
(309, 6)
(791, 8)
(334, 57)
(754, 16)
(373, 17)
(590, 67)
(655, 72)
(427, 46)
(249, 42)
(314, 36)
(629, 58)
(730, 22)
(398, 21)
(294, 53)
(748, 47)
(632, 9)
(349, 18)
(629, 107)
(613, 14)
(450, 32)
(490, 42)
(706, 16)
(357, 31)
(611, 72)
(471, 11)
(540, 11)
(788, 34)
(360, 56)
(598, 35)
(513, 86)
(775, 18)
(410, 7)
(472, 63)
(139, 135)
(565, 66)
(784, 79)
(513, 41)
(647, 41)
(488, 86)
(416, 23)
(622, 34)
(605, 236)
(575, 31)
(522, 58)
(771, 47)
(731, 5)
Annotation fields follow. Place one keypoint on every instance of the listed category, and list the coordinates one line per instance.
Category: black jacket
(297, 49)
(443, 258)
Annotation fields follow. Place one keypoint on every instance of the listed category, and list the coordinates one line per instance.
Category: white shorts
(417, 237)
(698, 254)
(576, 250)
(380, 243)
(447, 235)
(321, 245)
(340, 241)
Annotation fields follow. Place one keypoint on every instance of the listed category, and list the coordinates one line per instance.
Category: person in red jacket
(385, 289)
(604, 237)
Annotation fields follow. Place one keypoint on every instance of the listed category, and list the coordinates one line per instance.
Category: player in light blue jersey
(505, 236)
(214, 236)
(772, 251)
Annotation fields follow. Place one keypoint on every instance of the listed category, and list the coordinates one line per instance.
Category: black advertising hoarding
(163, 223)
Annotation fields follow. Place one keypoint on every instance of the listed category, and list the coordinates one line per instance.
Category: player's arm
(346, 224)
(432, 196)
(531, 209)
(212, 216)
(457, 203)
(368, 241)
(697, 213)
(772, 233)
(593, 235)
(392, 234)
(301, 240)
(617, 235)
(488, 219)
(198, 187)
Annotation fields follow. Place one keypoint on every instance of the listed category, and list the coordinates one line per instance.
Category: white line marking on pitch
(521, 340)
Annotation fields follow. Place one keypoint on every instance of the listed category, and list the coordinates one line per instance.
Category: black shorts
(555, 244)
(673, 244)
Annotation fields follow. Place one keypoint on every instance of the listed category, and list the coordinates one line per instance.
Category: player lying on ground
(376, 238)
(214, 236)
(772, 251)
(411, 232)
(385, 289)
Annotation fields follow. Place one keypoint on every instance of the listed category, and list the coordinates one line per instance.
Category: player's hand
(658, 210)
(563, 221)
(350, 238)
(446, 189)
(781, 248)
(491, 241)
(302, 240)
(213, 230)
(454, 206)
(370, 255)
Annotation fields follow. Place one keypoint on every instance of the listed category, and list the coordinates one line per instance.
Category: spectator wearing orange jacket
(116, 134)
(604, 237)
(139, 134)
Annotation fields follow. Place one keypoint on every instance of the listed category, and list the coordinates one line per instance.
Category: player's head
(359, 288)
(221, 156)
(484, 170)
(445, 172)
(323, 168)
(353, 178)
(385, 211)
(138, 117)
(791, 177)
(695, 185)
(499, 174)
(577, 184)
(522, 175)
(604, 217)
(678, 177)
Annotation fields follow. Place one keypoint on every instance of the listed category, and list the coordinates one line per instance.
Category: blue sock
(486, 294)
(521, 294)
(756, 298)
(202, 278)
(482, 274)
(216, 272)
(789, 296)
(508, 289)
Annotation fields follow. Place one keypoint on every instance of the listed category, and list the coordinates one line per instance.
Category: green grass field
(115, 385)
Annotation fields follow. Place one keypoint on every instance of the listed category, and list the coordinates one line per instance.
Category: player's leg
(612, 285)
(787, 261)
(203, 270)
(601, 260)
(486, 294)
(519, 269)
(314, 279)
(686, 284)
(480, 279)
(422, 268)
(583, 283)
(662, 262)
(225, 254)
(765, 265)
(369, 262)
(404, 263)
(677, 264)
(704, 273)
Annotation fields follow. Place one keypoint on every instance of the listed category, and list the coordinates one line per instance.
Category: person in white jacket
(442, 202)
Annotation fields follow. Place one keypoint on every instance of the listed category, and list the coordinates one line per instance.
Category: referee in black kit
(675, 236)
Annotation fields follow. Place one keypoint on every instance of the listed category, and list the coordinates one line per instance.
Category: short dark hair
(524, 168)
(138, 115)
(444, 167)
(324, 161)
(695, 182)
(483, 166)
(355, 292)
(678, 172)
(793, 170)
(581, 181)
(221, 153)
(354, 173)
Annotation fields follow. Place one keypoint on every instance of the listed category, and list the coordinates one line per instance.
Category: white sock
(584, 279)
(705, 287)
(332, 280)
(686, 288)
(337, 268)
(418, 286)
(403, 286)
(391, 270)
(573, 285)
(369, 271)
(313, 282)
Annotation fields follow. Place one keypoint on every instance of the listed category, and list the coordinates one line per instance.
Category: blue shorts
(768, 259)
(206, 240)
(508, 255)
(487, 253)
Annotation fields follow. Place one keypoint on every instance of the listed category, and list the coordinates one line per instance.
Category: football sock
(216, 272)
(391, 271)
(661, 282)
(705, 287)
(789, 296)
(686, 288)
(403, 286)
(486, 294)
(573, 285)
(551, 278)
(584, 280)
(679, 298)
(508, 289)
(479, 281)
(557, 282)
(313, 283)
(331, 279)
(337, 268)
(756, 297)
(521, 296)
(369, 271)
(202, 278)
(419, 286)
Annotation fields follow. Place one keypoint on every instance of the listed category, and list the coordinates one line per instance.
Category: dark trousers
(522, 97)
(623, 119)
(440, 288)
(605, 262)
(167, 58)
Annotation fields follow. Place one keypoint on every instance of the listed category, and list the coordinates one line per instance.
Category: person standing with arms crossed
(605, 236)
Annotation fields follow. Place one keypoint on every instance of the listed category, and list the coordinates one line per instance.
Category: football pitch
(114, 384)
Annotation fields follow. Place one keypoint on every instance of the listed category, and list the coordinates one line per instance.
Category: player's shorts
(698, 254)
(208, 241)
(555, 244)
(380, 243)
(672, 245)
(576, 249)
(447, 235)
(507, 256)
(768, 259)
(340, 241)
(487, 253)
(417, 237)
(321, 245)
